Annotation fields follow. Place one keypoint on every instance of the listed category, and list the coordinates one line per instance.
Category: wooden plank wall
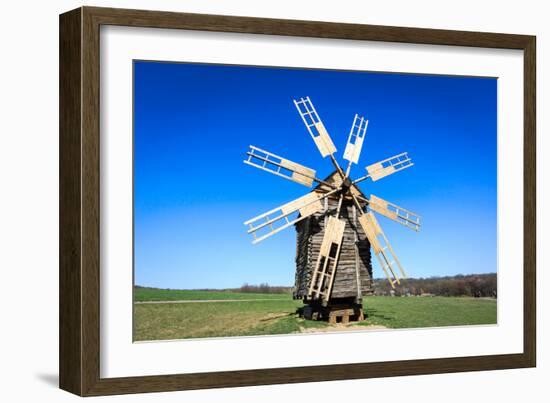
(308, 242)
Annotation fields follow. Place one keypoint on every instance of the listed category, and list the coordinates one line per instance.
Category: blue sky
(193, 124)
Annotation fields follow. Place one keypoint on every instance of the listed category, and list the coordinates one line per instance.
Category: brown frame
(79, 201)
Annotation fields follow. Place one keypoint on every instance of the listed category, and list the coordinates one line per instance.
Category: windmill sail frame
(271, 222)
(355, 139)
(279, 166)
(315, 126)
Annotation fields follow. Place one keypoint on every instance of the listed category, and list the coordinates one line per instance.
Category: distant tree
(263, 288)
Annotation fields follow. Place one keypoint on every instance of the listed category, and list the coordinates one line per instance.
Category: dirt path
(342, 328)
(195, 301)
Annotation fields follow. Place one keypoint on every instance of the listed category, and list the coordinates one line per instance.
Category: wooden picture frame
(79, 201)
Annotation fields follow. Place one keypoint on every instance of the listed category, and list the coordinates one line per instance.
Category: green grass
(277, 314)
(214, 319)
(411, 312)
(155, 294)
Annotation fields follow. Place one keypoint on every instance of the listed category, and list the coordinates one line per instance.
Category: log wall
(308, 242)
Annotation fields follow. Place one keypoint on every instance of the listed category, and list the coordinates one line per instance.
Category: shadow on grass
(374, 314)
(276, 317)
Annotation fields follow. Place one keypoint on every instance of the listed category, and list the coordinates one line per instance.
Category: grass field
(155, 294)
(246, 314)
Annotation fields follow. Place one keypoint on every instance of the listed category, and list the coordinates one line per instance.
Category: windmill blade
(315, 126)
(382, 248)
(355, 139)
(388, 166)
(279, 166)
(394, 212)
(278, 219)
(327, 261)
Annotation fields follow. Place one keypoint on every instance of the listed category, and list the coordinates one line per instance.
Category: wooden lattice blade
(394, 212)
(325, 269)
(355, 139)
(280, 166)
(277, 219)
(389, 166)
(315, 126)
(382, 248)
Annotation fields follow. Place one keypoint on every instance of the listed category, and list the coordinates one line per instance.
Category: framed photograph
(248, 201)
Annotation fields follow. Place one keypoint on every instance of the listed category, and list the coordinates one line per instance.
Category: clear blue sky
(193, 124)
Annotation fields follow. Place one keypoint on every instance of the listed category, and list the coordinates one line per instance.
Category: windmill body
(335, 224)
(353, 278)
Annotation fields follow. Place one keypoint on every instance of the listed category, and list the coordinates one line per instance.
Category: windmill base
(334, 312)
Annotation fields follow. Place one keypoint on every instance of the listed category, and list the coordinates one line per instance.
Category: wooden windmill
(335, 221)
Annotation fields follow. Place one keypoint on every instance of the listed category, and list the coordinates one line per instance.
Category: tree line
(471, 285)
(264, 288)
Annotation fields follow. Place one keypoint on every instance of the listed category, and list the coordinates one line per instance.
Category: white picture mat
(120, 357)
